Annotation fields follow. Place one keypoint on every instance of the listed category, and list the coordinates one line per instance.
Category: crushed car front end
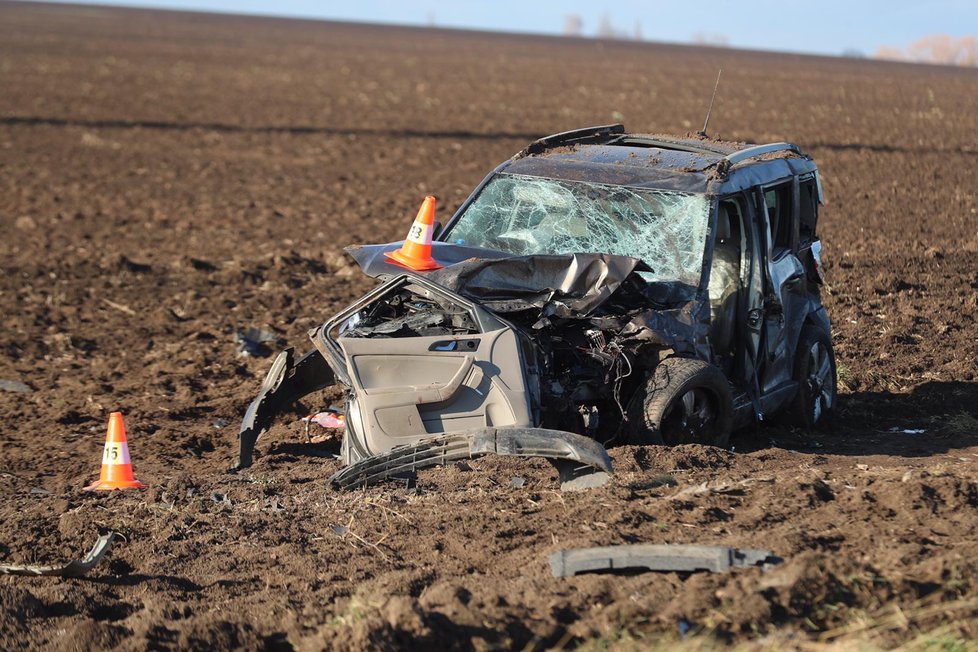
(519, 355)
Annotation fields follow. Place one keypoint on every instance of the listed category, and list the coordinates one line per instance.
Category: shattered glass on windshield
(531, 215)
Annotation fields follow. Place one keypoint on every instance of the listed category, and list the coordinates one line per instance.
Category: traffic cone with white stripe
(116, 466)
(415, 253)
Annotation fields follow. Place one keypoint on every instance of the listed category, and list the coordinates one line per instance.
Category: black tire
(685, 401)
(814, 370)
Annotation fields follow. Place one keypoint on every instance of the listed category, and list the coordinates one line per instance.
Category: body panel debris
(254, 342)
(75, 568)
(14, 386)
(442, 450)
(657, 557)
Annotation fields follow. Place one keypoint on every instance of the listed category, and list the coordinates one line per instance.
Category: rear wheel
(685, 401)
(815, 373)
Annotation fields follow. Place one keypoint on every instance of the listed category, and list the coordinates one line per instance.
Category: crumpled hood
(571, 285)
(562, 285)
(372, 261)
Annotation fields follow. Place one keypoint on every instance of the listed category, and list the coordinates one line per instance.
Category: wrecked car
(597, 288)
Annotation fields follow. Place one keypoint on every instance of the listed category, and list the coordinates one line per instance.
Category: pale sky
(821, 27)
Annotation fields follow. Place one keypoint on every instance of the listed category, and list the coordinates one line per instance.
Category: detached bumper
(583, 463)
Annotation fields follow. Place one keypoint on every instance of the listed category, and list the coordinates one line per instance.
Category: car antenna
(706, 123)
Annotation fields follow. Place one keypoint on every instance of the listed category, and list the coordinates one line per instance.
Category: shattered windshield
(526, 215)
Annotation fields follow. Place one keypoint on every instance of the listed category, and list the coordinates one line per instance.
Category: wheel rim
(691, 419)
(821, 384)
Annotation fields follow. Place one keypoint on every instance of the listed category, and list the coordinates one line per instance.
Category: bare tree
(936, 48)
(605, 28)
(969, 50)
(709, 39)
(889, 53)
(573, 25)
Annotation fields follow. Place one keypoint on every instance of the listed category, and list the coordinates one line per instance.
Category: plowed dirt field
(169, 179)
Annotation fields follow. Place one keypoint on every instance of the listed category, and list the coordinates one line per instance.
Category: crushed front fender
(571, 453)
(286, 382)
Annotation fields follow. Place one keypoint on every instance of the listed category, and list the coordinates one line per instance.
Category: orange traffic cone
(116, 467)
(416, 252)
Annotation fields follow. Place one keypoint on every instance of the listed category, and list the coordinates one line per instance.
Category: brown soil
(168, 179)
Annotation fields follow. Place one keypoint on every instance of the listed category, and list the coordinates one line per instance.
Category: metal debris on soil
(252, 342)
(14, 386)
(657, 557)
(75, 568)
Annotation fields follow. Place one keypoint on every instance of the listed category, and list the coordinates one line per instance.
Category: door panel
(783, 282)
(411, 387)
(787, 277)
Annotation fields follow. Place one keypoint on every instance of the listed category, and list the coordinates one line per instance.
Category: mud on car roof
(693, 164)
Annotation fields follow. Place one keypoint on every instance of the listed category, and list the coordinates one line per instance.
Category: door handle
(754, 317)
(794, 280)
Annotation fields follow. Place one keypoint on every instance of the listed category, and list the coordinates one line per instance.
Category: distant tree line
(933, 48)
(574, 26)
(936, 48)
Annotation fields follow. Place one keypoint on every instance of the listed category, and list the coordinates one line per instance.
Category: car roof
(688, 164)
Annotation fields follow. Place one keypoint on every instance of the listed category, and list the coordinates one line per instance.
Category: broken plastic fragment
(908, 431)
(14, 386)
(252, 342)
(326, 420)
(657, 557)
(684, 628)
(584, 457)
(75, 568)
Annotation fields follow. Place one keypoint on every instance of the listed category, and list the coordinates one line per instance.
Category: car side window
(808, 211)
(778, 202)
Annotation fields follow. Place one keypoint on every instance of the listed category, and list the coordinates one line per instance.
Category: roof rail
(759, 150)
(587, 133)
